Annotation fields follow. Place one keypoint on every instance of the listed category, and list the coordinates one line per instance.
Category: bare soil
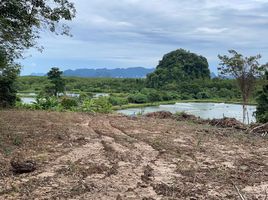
(81, 156)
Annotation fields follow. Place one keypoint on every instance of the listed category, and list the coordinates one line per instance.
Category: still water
(203, 110)
(29, 100)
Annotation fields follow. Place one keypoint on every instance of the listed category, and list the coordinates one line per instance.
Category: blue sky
(130, 33)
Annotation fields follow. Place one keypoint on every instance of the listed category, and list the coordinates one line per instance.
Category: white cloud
(139, 32)
(208, 30)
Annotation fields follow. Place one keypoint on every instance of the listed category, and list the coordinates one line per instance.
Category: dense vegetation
(262, 100)
(8, 74)
(125, 91)
(135, 90)
(177, 66)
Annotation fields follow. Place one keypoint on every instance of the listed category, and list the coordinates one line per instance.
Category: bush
(138, 98)
(117, 101)
(68, 103)
(154, 96)
(262, 107)
(46, 103)
(186, 96)
(101, 105)
(167, 96)
(202, 95)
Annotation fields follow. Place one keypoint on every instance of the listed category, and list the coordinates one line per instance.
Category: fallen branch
(242, 197)
(258, 127)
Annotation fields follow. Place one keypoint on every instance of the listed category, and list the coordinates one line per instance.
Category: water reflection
(203, 110)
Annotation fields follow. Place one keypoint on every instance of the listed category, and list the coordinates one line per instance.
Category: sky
(131, 33)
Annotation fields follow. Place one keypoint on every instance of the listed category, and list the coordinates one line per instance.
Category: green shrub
(186, 96)
(138, 98)
(68, 103)
(262, 107)
(101, 105)
(117, 101)
(154, 96)
(46, 103)
(167, 96)
(202, 95)
(85, 95)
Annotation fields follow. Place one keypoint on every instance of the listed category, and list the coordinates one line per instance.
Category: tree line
(180, 72)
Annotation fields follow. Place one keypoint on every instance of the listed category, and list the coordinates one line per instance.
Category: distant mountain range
(134, 72)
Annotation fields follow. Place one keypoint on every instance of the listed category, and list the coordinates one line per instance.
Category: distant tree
(54, 75)
(245, 70)
(177, 66)
(262, 100)
(8, 74)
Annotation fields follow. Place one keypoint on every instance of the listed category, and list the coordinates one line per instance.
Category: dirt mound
(259, 129)
(186, 117)
(227, 123)
(160, 115)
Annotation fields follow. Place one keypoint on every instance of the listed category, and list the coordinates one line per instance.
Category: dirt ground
(81, 156)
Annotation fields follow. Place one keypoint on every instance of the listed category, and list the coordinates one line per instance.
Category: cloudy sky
(130, 33)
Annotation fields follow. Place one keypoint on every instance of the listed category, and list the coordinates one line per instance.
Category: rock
(21, 166)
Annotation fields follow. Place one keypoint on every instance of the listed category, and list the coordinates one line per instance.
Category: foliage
(138, 98)
(8, 75)
(68, 103)
(202, 95)
(262, 100)
(54, 75)
(46, 103)
(245, 70)
(84, 96)
(22, 21)
(118, 101)
(101, 105)
(20, 26)
(224, 89)
(98, 105)
(179, 65)
(88, 85)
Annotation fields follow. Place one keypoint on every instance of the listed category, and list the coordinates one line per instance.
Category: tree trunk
(244, 112)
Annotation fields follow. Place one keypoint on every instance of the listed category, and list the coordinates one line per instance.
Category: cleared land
(82, 156)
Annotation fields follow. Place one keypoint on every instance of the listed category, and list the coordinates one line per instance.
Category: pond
(203, 110)
(29, 99)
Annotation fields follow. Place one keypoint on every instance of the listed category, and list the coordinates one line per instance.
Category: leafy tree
(179, 65)
(54, 75)
(20, 25)
(117, 101)
(101, 105)
(22, 21)
(244, 70)
(262, 100)
(8, 74)
(138, 98)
